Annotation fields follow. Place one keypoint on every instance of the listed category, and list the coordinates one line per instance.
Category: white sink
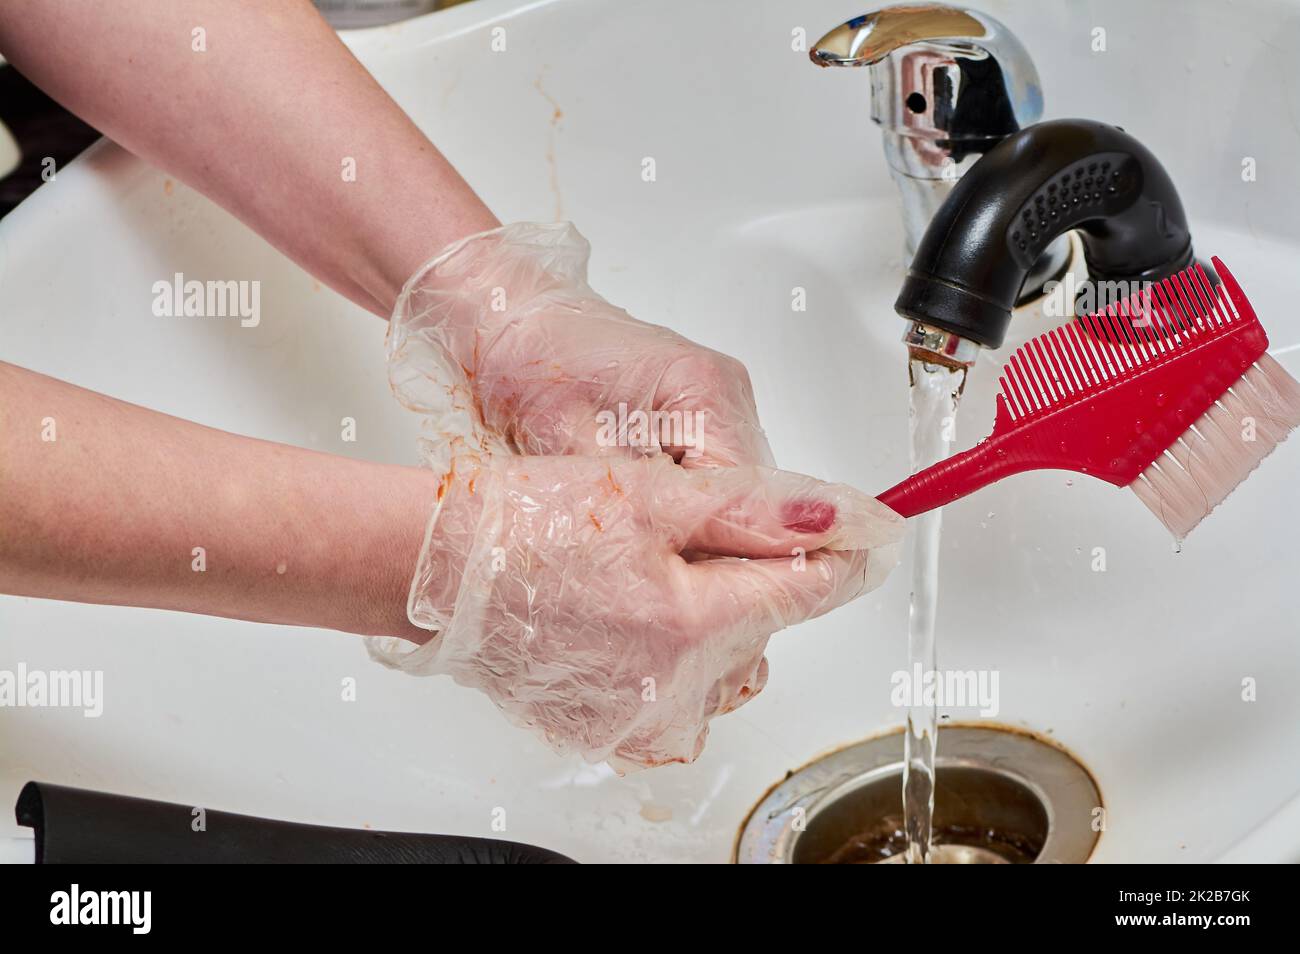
(769, 176)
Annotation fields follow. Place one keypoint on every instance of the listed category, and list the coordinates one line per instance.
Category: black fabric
(43, 129)
(76, 826)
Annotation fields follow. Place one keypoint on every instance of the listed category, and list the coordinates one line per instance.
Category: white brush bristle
(1220, 450)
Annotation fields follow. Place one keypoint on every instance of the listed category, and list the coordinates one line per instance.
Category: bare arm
(112, 509)
(261, 122)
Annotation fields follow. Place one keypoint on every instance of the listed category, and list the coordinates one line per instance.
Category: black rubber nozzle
(1031, 188)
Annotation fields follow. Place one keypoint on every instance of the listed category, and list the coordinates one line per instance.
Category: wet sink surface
(769, 179)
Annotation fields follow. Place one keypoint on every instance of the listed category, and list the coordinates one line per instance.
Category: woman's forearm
(106, 502)
(268, 119)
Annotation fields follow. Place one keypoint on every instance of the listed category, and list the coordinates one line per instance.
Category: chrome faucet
(947, 85)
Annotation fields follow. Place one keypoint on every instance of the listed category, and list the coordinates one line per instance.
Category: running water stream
(935, 392)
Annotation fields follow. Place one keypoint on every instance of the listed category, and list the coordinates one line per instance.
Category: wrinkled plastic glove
(600, 601)
(502, 327)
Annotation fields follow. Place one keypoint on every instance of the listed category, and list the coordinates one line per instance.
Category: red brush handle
(998, 455)
(941, 483)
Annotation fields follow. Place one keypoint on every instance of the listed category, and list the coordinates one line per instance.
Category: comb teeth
(1219, 451)
(1069, 363)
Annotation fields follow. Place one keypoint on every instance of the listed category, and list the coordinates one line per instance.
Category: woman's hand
(609, 599)
(553, 368)
(600, 601)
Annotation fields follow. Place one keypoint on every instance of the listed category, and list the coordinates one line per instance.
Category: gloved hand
(503, 327)
(599, 600)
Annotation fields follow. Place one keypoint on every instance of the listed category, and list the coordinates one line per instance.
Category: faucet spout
(1023, 194)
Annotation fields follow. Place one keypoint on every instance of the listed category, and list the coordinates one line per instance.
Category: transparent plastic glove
(503, 325)
(599, 601)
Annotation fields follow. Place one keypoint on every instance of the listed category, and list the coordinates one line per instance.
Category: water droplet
(1162, 399)
(1178, 545)
(1069, 483)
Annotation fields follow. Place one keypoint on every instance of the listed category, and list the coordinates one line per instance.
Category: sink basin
(769, 178)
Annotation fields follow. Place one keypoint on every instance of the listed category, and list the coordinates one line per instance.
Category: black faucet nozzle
(1031, 188)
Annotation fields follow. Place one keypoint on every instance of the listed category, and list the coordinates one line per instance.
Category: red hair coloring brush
(1171, 393)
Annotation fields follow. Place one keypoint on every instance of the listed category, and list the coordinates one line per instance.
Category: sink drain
(1002, 796)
